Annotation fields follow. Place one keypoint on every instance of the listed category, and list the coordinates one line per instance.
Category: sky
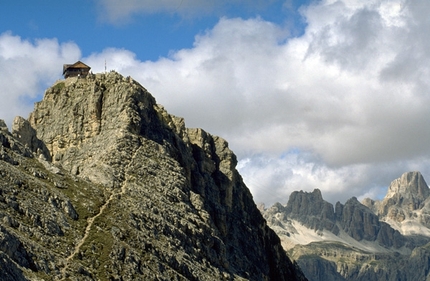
(309, 94)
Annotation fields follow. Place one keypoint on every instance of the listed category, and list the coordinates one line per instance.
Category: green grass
(97, 247)
(59, 86)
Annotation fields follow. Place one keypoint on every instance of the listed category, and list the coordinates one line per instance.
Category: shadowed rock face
(312, 210)
(357, 220)
(360, 223)
(122, 190)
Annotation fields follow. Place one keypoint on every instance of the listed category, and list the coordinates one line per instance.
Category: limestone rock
(335, 261)
(357, 220)
(312, 210)
(405, 196)
(7, 141)
(321, 269)
(127, 192)
(360, 223)
(3, 126)
(22, 131)
(374, 240)
(373, 205)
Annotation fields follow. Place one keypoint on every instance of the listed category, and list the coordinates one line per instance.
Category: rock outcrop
(101, 183)
(361, 223)
(407, 200)
(311, 210)
(409, 191)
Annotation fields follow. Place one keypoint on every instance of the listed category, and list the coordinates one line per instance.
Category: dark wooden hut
(78, 69)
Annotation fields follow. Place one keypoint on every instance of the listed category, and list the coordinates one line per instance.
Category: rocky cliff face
(407, 203)
(101, 183)
(372, 240)
(360, 223)
(311, 210)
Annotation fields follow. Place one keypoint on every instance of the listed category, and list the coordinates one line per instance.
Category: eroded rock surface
(369, 240)
(101, 183)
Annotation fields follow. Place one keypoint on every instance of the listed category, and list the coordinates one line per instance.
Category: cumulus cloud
(342, 107)
(272, 179)
(27, 68)
(352, 92)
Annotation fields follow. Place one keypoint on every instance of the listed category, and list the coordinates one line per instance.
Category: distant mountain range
(369, 240)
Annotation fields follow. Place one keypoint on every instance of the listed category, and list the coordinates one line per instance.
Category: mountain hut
(78, 69)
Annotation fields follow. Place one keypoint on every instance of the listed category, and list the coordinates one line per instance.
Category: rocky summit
(101, 183)
(370, 240)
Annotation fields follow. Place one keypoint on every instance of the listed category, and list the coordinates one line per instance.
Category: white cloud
(27, 69)
(272, 179)
(352, 93)
(342, 108)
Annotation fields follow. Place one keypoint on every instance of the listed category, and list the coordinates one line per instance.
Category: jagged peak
(352, 201)
(305, 203)
(310, 209)
(275, 208)
(410, 183)
(301, 198)
(405, 195)
(315, 194)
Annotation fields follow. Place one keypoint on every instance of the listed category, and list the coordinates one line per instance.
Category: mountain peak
(409, 184)
(85, 124)
(311, 209)
(408, 192)
(124, 190)
(406, 205)
(305, 203)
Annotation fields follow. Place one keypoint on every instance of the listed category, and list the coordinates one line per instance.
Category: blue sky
(328, 94)
(150, 35)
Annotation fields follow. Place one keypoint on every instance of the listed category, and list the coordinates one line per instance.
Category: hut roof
(77, 64)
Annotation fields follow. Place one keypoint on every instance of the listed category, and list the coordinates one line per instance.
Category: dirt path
(90, 222)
